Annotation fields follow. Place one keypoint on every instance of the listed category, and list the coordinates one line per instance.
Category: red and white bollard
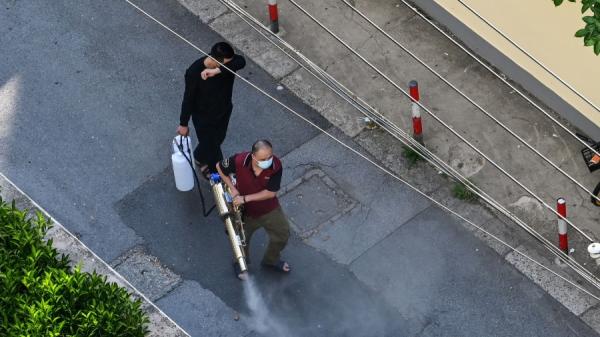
(416, 112)
(563, 240)
(274, 16)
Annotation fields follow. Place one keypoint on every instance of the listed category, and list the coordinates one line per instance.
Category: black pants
(210, 138)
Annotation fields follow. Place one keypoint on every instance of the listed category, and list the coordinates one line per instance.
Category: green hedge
(40, 295)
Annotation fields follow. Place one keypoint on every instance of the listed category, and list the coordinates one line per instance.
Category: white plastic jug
(186, 142)
(184, 175)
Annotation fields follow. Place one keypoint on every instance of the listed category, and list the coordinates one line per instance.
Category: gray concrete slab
(201, 312)
(592, 318)
(384, 204)
(471, 210)
(317, 44)
(147, 274)
(207, 10)
(573, 299)
(161, 327)
(505, 232)
(314, 200)
(320, 98)
(468, 283)
(251, 43)
(389, 152)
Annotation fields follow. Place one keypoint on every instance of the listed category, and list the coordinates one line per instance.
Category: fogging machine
(232, 217)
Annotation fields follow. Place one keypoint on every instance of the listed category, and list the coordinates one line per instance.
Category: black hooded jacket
(209, 101)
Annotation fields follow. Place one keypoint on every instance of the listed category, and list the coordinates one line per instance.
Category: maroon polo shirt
(249, 183)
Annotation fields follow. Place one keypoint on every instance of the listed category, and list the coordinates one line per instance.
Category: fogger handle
(220, 200)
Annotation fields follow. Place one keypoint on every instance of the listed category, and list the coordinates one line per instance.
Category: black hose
(189, 160)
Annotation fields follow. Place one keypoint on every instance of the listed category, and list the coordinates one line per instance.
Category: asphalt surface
(89, 101)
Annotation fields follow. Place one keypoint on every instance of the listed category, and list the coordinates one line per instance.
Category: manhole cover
(314, 200)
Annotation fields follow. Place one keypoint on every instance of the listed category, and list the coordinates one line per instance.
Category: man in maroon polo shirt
(258, 178)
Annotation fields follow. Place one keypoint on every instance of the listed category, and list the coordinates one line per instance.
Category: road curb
(66, 243)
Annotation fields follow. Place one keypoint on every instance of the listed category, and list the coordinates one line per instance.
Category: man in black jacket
(207, 99)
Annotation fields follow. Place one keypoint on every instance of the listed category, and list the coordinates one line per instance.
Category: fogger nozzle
(236, 245)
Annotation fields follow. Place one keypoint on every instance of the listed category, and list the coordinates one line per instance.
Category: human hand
(239, 200)
(183, 130)
(207, 73)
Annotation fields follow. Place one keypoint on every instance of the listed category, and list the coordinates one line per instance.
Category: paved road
(89, 98)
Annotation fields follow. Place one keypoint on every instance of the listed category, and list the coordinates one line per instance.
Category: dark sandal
(278, 267)
(205, 173)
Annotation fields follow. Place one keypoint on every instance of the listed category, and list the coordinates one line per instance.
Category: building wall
(546, 33)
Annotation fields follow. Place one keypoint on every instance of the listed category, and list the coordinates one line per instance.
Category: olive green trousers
(278, 229)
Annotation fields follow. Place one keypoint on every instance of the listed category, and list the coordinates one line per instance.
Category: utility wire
(539, 63)
(398, 133)
(383, 169)
(500, 77)
(475, 104)
(386, 77)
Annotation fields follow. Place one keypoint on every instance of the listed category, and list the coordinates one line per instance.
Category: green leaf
(597, 48)
(589, 19)
(557, 2)
(589, 41)
(586, 4)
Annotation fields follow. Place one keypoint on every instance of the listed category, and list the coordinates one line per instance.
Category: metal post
(416, 112)
(274, 16)
(563, 240)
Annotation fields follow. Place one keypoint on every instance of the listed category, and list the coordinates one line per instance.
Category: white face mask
(265, 164)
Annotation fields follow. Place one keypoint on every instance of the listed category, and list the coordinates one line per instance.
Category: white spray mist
(260, 319)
